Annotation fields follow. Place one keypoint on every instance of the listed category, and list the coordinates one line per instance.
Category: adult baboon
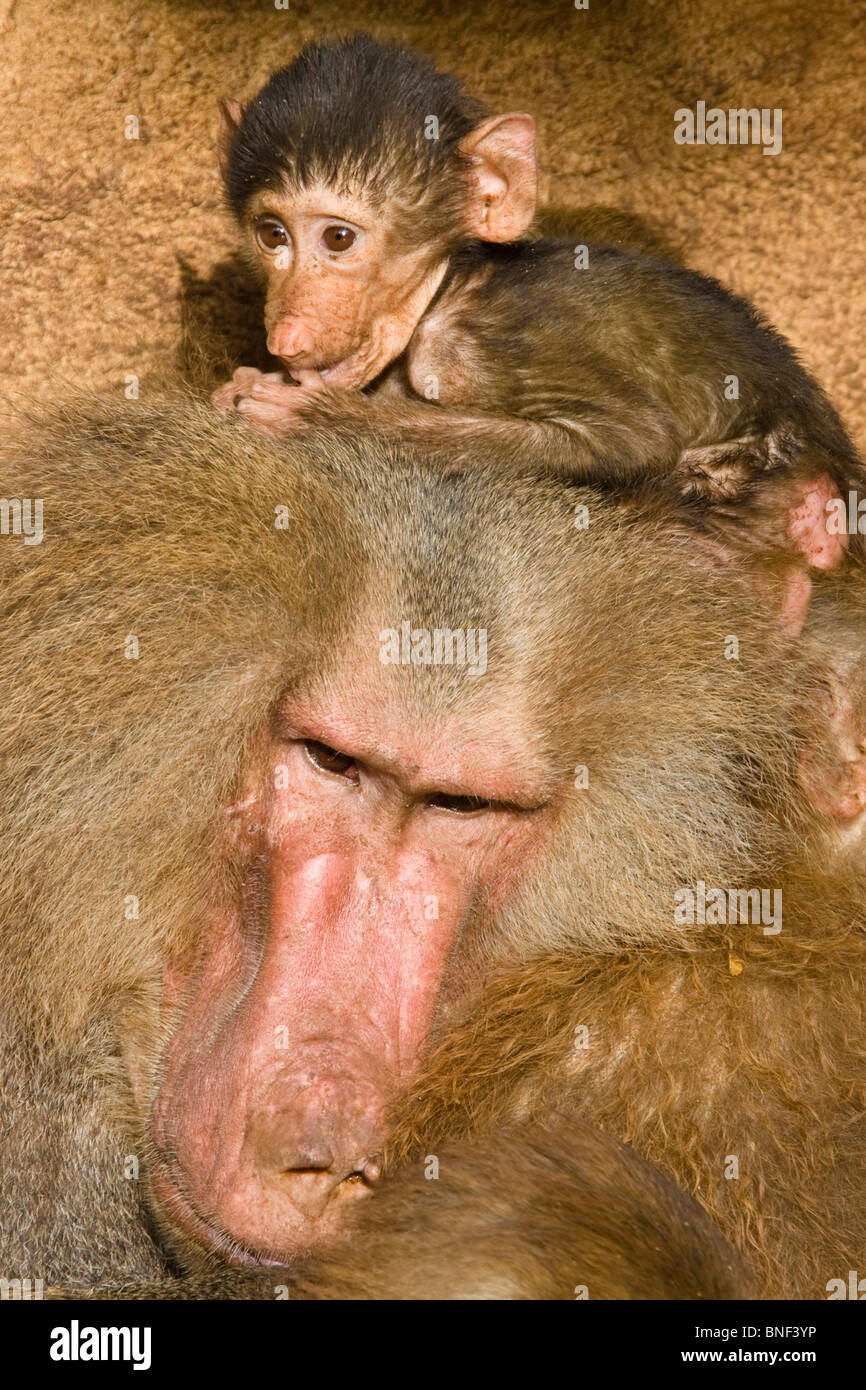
(331, 772)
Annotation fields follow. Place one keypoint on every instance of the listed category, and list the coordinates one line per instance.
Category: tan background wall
(110, 246)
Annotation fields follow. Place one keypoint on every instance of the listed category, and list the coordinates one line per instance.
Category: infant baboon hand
(273, 403)
(228, 396)
(266, 401)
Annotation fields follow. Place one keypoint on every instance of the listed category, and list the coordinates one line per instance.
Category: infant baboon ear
(503, 179)
(231, 112)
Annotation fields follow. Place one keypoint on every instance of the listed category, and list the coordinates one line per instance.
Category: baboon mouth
(324, 369)
(346, 372)
(333, 368)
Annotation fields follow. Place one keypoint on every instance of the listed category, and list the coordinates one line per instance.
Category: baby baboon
(386, 210)
(355, 802)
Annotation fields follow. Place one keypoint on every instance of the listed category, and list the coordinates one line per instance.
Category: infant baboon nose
(289, 339)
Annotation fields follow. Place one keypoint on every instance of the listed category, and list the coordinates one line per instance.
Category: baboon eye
(271, 235)
(329, 760)
(462, 804)
(338, 238)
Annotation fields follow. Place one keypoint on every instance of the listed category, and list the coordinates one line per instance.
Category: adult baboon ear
(501, 203)
(833, 773)
(793, 520)
(230, 118)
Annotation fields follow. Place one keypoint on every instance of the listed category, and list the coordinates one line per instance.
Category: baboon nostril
(310, 1160)
(372, 1170)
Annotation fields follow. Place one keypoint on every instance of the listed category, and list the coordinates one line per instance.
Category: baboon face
(379, 830)
(354, 173)
(363, 840)
(342, 300)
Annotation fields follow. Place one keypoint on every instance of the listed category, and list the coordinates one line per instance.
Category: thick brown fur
(606, 644)
(71, 1205)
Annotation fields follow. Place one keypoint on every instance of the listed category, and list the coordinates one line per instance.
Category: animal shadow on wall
(220, 323)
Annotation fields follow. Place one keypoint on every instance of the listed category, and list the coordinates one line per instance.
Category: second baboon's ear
(230, 118)
(501, 202)
(833, 772)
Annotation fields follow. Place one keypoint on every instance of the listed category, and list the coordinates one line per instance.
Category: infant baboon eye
(338, 238)
(462, 804)
(329, 760)
(271, 235)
